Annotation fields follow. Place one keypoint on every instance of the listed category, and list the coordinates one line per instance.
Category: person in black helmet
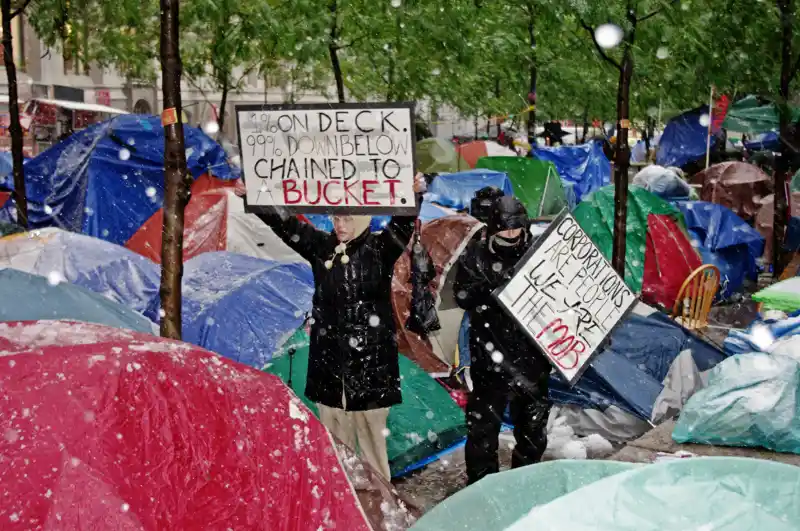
(507, 368)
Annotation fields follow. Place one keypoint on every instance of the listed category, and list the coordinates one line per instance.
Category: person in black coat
(353, 365)
(507, 368)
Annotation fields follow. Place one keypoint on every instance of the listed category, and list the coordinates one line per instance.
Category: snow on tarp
(456, 190)
(702, 494)
(664, 182)
(724, 240)
(762, 336)
(25, 297)
(102, 267)
(585, 166)
(243, 307)
(108, 179)
(684, 139)
(136, 432)
(427, 421)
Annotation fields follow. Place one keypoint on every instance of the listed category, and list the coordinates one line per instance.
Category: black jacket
(482, 268)
(353, 345)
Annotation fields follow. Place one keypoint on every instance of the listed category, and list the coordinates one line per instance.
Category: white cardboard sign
(566, 296)
(331, 158)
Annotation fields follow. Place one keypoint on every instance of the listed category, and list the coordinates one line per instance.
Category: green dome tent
(435, 155)
(427, 421)
(536, 183)
(596, 216)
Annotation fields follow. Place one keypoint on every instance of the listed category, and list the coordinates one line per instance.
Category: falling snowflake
(490, 346)
(497, 356)
(397, 3)
(662, 52)
(608, 35)
(124, 154)
(374, 321)
(54, 278)
(125, 507)
(48, 210)
(150, 192)
(385, 432)
(353, 342)
(704, 120)
(11, 435)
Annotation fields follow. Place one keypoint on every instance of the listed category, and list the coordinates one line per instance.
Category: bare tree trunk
(782, 164)
(497, 95)
(176, 186)
(20, 194)
(585, 125)
(532, 88)
(622, 156)
(333, 49)
(223, 104)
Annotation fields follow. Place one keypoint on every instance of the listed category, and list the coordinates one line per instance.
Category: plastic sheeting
(585, 166)
(708, 494)
(242, 307)
(724, 240)
(784, 296)
(749, 115)
(761, 335)
(25, 297)
(684, 139)
(427, 421)
(669, 260)
(596, 217)
(157, 433)
(456, 190)
(536, 183)
(752, 400)
(104, 268)
(736, 185)
(663, 182)
(108, 179)
(499, 500)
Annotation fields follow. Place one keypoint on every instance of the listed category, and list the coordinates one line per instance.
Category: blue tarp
(725, 240)
(429, 212)
(25, 297)
(764, 142)
(104, 268)
(585, 166)
(629, 372)
(241, 307)
(456, 190)
(761, 334)
(684, 139)
(6, 167)
(108, 179)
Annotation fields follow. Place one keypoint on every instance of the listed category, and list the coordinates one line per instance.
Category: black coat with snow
(482, 268)
(353, 346)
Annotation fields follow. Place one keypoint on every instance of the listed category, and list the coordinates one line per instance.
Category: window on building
(17, 42)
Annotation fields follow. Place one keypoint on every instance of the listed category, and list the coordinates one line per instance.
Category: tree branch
(20, 9)
(599, 48)
(657, 11)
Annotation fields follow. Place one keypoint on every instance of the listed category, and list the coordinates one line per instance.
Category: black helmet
(507, 213)
(482, 203)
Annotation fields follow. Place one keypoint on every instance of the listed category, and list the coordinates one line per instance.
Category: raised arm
(395, 236)
(302, 237)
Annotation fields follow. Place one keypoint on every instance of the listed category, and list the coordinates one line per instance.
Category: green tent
(595, 215)
(435, 155)
(536, 183)
(499, 500)
(748, 116)
(427, 421)
(7, 229)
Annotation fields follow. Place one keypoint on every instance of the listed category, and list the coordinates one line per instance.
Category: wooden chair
(696, 297)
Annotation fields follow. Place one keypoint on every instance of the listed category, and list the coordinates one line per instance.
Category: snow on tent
(99, 266)
(724, 240)
(472, 151)
(736, 185)
(444, 238)
(536, 184)
(108, 429)
(456, 190)
(585, 166)
(427, 421)
(25, 297)
(684, 139)
(436, 155)
(766, 217)
(243, 307)
(596, 216)
(666, 183)
(215, 220)
(499, 500)
(108, 179)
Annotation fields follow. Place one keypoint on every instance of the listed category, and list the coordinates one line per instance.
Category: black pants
(530, 409)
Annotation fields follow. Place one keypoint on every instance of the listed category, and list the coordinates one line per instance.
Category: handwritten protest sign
(354, 158)
(566, 296)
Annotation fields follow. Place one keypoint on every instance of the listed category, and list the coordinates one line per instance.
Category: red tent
(110, 429)
(669, 260)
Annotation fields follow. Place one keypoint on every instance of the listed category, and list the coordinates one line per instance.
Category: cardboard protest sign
(342, 158)
(566, 296)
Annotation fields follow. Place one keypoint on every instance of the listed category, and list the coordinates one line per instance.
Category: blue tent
(585, 166)
(764, 142)
(684, 139)
(456, 190)
(430, 212)
(6, 167)
(629, 372)
(725, 240)
(241, 307)
(102, 267)
(25, 297)
(108, 179)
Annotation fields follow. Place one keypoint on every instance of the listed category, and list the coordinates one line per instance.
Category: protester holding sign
(507, 366)
(353, 366)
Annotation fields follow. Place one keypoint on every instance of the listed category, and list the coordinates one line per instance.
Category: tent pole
(710, 116)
